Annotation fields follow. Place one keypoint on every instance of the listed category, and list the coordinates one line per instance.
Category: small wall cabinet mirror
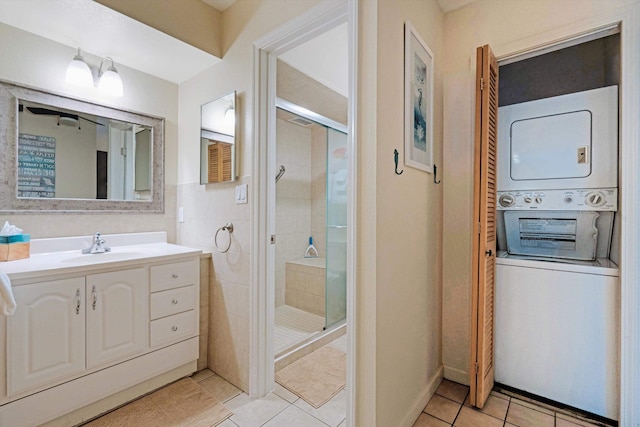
(217, 140)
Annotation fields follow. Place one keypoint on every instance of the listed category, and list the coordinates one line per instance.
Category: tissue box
(14, 247)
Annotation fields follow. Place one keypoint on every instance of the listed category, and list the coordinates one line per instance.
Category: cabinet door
(46, 335)
(117, 315)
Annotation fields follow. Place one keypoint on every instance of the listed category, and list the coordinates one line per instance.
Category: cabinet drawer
(173, 275)
(173, 328)
(172, 301)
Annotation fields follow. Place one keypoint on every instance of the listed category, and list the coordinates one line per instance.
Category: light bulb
(111, 83)
(78, 72)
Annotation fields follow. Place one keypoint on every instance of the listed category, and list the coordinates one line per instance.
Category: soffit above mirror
(101, 31)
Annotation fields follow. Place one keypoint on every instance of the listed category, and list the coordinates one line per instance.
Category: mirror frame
(10, 94)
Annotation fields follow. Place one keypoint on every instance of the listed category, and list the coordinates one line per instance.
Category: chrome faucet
(97, 247)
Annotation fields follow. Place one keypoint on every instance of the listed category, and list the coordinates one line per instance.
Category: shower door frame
(317, 20)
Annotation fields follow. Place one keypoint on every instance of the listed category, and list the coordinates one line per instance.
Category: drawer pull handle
(95, 297)
(174, 275)
(174, 328)
(174, 301)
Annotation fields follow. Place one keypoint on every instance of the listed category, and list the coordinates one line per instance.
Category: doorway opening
(270, 52)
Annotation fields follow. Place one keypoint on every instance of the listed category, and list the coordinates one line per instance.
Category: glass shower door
(337, 173)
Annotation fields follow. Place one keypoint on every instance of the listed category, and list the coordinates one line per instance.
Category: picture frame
(418, 101)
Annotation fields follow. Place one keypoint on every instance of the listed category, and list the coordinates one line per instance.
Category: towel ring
(228, 227)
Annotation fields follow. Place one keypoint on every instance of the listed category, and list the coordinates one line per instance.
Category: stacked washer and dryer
(557, 288)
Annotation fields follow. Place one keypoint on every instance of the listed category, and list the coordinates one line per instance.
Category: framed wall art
(418, 101)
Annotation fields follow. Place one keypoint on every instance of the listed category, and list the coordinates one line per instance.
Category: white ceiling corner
(219, 5)
(103, 32)
(450, 5)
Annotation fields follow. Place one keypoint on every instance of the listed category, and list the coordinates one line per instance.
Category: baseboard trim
(422, 399)
(456, 375)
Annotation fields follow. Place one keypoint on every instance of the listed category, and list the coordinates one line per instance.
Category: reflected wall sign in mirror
(66, 154)
(217, 140)
(62, 154)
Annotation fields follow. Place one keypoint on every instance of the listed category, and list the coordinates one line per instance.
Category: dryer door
(551, 147)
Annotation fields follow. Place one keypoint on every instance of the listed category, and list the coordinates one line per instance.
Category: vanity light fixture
(110, 81)
(79, 73)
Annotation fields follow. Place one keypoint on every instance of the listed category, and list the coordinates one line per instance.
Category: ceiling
(450, 5)
(219, 5)
(103, 32)
(445, 5)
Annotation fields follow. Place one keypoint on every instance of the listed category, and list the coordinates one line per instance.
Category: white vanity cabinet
(117, 315)
(46, 335)
(84, 330)
(174, 302)
(67, 326)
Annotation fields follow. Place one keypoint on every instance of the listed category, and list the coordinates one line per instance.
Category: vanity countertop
(126, 250)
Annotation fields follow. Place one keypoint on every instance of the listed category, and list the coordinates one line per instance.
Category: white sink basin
(103, 257)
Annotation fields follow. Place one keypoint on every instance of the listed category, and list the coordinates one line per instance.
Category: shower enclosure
(311, 201)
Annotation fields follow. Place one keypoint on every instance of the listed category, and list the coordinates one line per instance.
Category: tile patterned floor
(449, 406)
(281, 408)
(278, 409)
(292, 326)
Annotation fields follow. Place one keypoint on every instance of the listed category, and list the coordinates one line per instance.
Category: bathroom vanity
(87, 326)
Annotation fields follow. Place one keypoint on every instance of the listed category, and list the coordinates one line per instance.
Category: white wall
(501, 24)
(37, 62)
(399, 224)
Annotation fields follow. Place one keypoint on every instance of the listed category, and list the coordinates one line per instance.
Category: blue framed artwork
(418, 101)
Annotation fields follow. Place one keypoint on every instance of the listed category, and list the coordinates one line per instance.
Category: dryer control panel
(596, 199)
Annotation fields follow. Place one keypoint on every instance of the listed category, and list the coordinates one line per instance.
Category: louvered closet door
(486, 126)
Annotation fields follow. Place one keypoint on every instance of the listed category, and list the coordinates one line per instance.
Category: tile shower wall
(207, 208)
(300, 195)
(293, 198)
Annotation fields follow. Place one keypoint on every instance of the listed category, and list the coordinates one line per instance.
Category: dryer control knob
(506, 200)
(568, 199)
(538, 199)
(527, 199)
(596, 199)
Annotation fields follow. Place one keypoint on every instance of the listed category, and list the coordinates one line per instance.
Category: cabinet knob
(174, 328)
(174, 275)
(174, 301)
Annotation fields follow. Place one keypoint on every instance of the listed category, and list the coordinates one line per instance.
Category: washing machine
(556, 288)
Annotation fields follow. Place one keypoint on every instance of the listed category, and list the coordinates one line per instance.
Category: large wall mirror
(217, 140)
(62, 154)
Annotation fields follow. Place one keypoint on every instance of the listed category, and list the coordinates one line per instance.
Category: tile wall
(293, 198)
(205, 285)
(207, 208)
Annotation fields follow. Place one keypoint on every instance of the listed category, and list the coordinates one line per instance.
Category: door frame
(320, 18)
(629, 187)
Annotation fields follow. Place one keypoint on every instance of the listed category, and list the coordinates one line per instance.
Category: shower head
(280, 173)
